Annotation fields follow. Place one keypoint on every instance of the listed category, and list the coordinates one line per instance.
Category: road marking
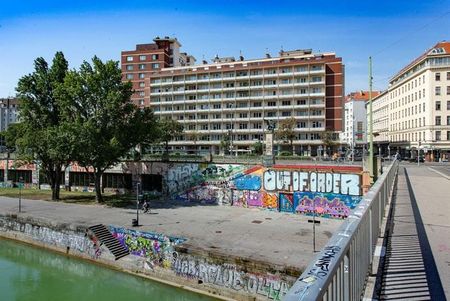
(438, 172)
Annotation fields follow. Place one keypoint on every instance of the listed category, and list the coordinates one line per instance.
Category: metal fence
(340, 270)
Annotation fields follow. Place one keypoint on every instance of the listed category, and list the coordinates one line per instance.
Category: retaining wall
(161, 257)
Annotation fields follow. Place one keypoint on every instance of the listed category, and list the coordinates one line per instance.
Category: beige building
(380, 109)
(418, 114)
(231, 100)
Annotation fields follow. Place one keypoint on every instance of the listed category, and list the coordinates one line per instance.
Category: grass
(73, 197)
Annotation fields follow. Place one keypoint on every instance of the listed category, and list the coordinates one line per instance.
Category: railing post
(346, 279)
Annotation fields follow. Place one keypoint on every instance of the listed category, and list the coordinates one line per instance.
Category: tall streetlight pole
(371, 123)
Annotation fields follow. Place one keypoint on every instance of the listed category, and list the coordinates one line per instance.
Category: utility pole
(371, 123)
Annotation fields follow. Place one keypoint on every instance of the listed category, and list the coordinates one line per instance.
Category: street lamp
(20, 194)
(136, 222)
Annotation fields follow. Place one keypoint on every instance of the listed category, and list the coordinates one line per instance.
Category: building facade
(355, 127)
(380, 111)
(418, 110)
(138, 64)
(9, 112)
(232, 100)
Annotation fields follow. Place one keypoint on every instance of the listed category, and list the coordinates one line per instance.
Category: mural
(324, 204)
(248, 182)
(156, 248)
(286, 202)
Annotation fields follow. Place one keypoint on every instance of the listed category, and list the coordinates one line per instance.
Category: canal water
(28, 273)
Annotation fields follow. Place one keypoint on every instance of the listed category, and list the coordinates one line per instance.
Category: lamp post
(138, 185)
(371, 123)
(418, 154)
(20, 194)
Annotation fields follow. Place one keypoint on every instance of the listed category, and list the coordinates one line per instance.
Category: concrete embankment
(168, 259)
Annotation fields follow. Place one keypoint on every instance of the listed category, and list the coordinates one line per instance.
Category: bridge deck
(415, 267)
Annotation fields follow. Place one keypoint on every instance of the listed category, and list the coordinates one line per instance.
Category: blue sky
(393, 32)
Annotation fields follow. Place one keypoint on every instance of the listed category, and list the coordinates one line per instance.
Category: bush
(284, 153)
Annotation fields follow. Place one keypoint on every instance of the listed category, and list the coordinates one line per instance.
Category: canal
(28, 273)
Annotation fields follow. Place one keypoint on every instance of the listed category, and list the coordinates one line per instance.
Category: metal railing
(340, 270)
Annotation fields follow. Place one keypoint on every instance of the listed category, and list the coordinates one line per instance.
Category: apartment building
(138, 64)
(355, 128)
(232, 100)
(418, 111)
(9, 112)
(380, 113)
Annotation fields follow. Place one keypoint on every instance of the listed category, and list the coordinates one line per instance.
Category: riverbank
(235, 253)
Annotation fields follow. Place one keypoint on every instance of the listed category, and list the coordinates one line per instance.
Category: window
(286, 103)
(129, 58)
(285, 114)
(129, 67)
(437, 91)
(448, 120)
(448, 90)
(141, 75)
(242, 115)
(142, 57)
(271, 104)
(257, 104)
(437, 76)
(257, 114)
(438, 135)
(154, 56)
(242, 126)
(155, 66)
(141, 66)
(129, 76)
(448, 75)
(438, 120)
(437, 106)
(141, 101)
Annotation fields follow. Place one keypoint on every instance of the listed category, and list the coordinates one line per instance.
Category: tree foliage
(169, 129)
(43, 129)
(286, 131)
(105, 123)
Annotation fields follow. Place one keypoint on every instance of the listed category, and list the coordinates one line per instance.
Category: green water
(27, 273)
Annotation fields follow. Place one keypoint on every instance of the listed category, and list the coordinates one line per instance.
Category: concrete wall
(160, 257)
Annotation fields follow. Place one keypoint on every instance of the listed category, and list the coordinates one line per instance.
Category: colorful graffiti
(248, 182)
(328, 194)
(345, 184)
(156, 248)
(286, 202)
(228, 275)
(324, 204)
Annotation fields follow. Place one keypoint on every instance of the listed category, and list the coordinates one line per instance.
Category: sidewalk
(271, 237)
(417, 265)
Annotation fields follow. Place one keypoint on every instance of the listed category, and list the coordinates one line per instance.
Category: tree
(329, 139)
(286, 131)
(169, 129)
(43, 130)
(225, 143)
(193, 136)
(258, 147)
(103, 120)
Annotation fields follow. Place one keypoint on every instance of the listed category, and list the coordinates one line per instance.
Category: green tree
(43, 130)
(258, 147)
(225, 143)
(103, 120)
(328, 139)
(168, 130)
(286, 131)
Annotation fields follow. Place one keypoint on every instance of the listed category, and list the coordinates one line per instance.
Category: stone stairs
(104, 236)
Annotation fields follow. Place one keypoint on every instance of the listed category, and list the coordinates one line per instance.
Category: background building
(380, 111)
(419, 106)
(138, 64)
(230, 100)
(355, 128)
(9, 113)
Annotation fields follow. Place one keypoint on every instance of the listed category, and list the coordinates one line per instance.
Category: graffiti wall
(230, 276)
(329, 191)
(159, 252)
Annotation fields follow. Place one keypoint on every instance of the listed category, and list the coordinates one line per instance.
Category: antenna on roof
(240, 55)
(267, 53)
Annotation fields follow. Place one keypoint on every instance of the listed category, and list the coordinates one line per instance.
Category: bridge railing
(340, 269)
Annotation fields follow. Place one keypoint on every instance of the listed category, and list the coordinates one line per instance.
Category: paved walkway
(272, 237)
(417, 263)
